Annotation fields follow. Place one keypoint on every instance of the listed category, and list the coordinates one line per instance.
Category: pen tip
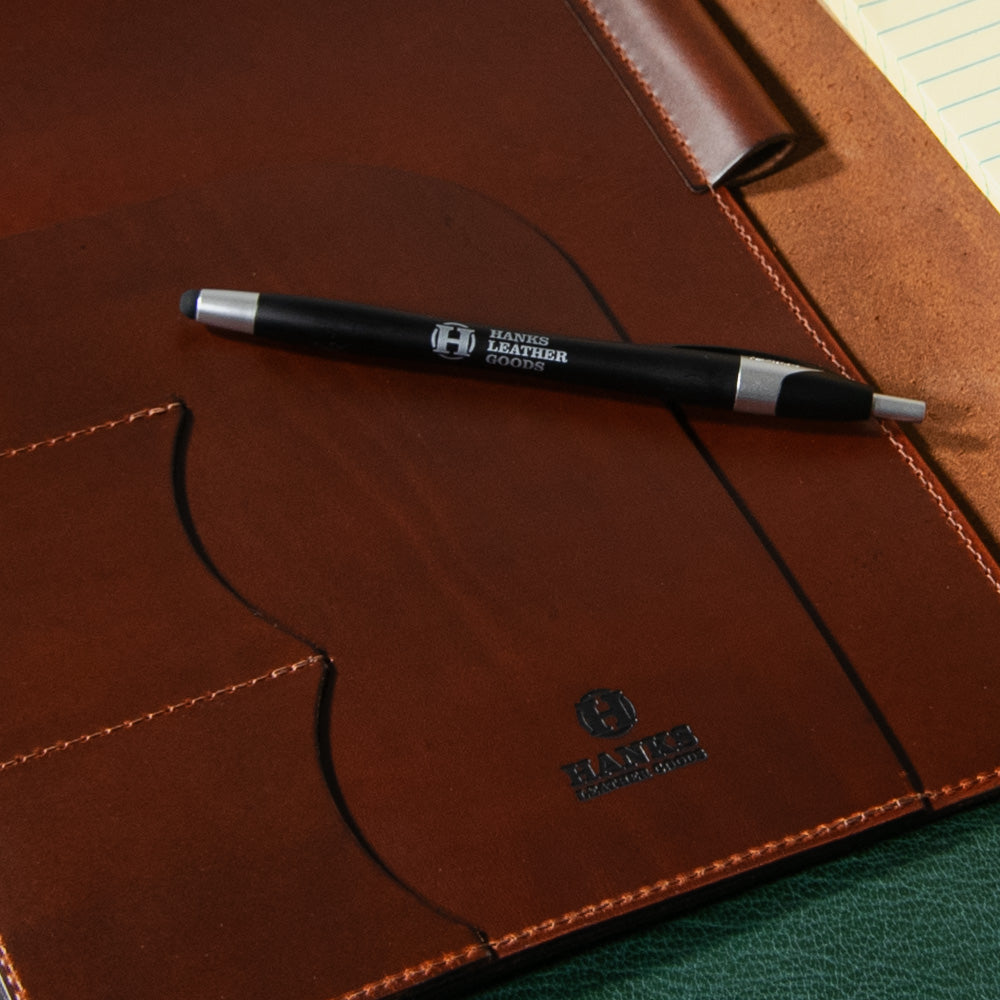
(189, 303)
(898, 408)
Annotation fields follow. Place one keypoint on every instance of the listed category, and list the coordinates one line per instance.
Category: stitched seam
(415, 973)
(779, 284)
(210, 696)
(950, 512)
(131, 418)
(648, 892)
(636, 73)
(13, 980)
(781, 287)
(947, 791)
(751, 854)
(432, 967)
(713, 868)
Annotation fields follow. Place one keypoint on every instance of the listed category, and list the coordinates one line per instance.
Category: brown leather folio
(326, 679)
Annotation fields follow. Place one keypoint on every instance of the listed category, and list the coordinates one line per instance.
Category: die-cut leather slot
(481, 557)
(159, 763)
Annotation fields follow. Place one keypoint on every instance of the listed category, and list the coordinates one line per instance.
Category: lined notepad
(943, 56)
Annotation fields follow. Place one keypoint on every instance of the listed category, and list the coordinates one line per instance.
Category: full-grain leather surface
(526, 581)
(472, 556)
(897, 248)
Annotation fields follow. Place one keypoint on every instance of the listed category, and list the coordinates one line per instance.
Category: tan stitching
(416, 973)
(426, 969)
(778, 282)
(752, 854)
(648, 892)
(698, 874)
(636, 74)
(12, 979)
(166, 710)
(983, 778)
(131, 418)
(781, 287)
(950, 512)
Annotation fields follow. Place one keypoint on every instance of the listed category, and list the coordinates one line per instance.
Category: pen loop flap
(711, 114)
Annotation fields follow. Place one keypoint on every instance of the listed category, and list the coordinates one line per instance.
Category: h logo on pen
(453, 340)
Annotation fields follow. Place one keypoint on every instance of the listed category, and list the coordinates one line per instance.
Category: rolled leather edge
(712, 115)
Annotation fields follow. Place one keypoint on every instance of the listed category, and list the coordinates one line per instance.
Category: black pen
(733, 380)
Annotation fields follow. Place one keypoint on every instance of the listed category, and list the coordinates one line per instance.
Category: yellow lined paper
(943, 56)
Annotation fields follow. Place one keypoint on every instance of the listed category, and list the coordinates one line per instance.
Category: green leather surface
(914, 916)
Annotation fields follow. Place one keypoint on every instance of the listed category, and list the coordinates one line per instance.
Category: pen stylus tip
(189, 303)
(898, 408)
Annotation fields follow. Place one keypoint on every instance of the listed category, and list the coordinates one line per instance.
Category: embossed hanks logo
(607, 714)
